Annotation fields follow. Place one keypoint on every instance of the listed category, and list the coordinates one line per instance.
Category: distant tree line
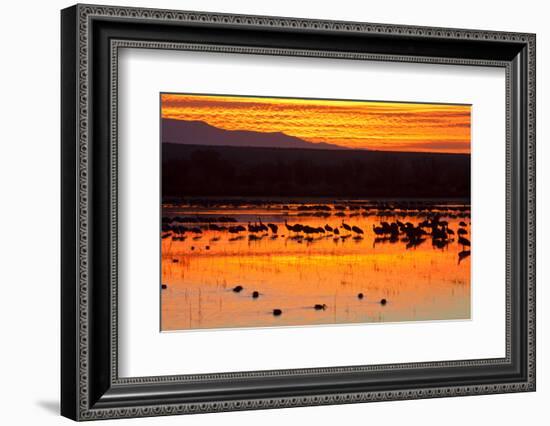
(190, 170)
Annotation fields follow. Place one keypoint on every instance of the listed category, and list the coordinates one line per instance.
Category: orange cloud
(389, 126)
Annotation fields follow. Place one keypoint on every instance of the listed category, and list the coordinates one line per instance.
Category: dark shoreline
(194, 171)
(237, 200)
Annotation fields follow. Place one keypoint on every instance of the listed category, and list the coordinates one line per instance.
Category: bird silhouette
(288, 227)
(357, 230)
(274, 228)
(294, 228)
(378, 230)
(253, 228)
(261, 226)
(463, 255)
(463, 241)
(236, 229)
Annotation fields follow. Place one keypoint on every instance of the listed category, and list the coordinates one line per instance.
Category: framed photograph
(263, 212)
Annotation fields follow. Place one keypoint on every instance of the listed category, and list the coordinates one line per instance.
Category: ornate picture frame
(91, 39)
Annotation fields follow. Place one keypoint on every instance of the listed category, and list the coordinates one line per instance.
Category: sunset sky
(385, 126)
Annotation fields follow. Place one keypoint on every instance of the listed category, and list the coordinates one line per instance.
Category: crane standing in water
(274, 228)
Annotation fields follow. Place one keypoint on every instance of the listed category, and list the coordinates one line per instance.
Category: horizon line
(344, 149)
(341, 147)
(350, 123)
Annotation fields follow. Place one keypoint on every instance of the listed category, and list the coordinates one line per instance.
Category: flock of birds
(278, 311)
(259, 230)
(318, 306)
(431, 226)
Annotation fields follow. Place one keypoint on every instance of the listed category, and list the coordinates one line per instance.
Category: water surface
(295, 271)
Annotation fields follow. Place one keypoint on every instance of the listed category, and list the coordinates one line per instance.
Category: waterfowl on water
(274, 228)
(383, 302)
(253, 228)
(463, 255)
(378, 230)
(261, 226)
(357, 230)
(294, 228)
(236, 229)
(277, 312)
(255, 294)
(319, 307)
(360, 296)
(238, 288)
(463, 241)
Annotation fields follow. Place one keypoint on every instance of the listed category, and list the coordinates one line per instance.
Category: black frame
(90, 386)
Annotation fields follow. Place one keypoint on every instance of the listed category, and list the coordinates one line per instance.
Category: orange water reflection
(294, 273)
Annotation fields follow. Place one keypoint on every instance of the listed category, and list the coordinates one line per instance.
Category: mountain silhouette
(200, 133)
